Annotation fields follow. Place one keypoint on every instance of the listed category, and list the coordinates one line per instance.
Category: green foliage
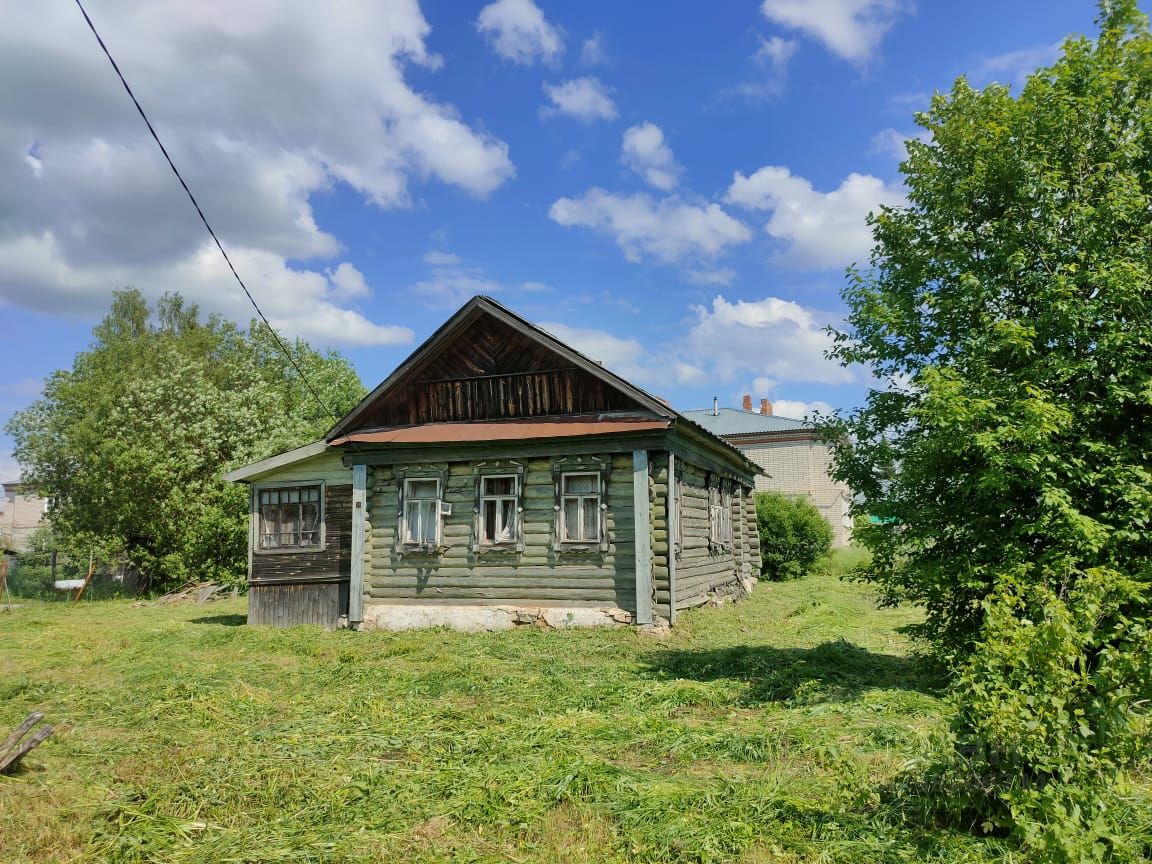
(793, 535)
(1009, 308)
(131, 442)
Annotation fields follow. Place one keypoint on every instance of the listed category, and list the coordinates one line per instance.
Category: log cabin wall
(290, 588)
(539, 575)
(703, 568)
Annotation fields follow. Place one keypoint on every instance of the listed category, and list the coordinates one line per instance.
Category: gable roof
(731, 422)
(472, 311)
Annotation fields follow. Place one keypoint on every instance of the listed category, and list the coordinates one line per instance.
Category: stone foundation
(486, 619)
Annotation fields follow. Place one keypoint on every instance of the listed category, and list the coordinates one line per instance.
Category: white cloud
(592, 52)
(893, 142)
(626, 357)
(1014, 67)
(772, 59)
(451, 282)
(518, 31)
(348, 282)
(771, 339)
(91, 206)
(645, 152)
(437, 258)
(669, 230)
(851, 29)
(820, 229)
(717, 276)
(587, 99)
(798, 410)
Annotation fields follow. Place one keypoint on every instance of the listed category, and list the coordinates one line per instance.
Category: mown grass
(759, 732)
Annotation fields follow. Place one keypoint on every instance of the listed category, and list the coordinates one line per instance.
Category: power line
(204, 219)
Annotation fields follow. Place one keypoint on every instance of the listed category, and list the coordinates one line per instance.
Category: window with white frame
(580, 496)
(290, 517)
(422, 511)
(499, 516)
(677, 512)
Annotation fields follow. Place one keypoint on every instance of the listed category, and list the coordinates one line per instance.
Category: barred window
(290, 517)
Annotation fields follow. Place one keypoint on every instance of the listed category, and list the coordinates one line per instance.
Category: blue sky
(673, 187)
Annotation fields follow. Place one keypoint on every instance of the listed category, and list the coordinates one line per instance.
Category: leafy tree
(131, 442)
(1008, 307)
(793, 535)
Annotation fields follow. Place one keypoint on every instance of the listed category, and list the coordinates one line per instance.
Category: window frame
(581, 497)
(255, 517)
(437, 512)
(720, 500)
(517, 509)
(678, 512)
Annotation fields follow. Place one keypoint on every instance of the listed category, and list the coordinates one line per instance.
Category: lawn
(761, 732)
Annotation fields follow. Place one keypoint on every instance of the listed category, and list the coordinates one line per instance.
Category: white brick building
(794, 459)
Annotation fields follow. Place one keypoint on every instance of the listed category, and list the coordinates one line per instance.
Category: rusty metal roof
(575, 426)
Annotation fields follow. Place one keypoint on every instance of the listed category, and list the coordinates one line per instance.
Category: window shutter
(556, 527)
(520, 509)
(605, 472)
(398, 546)
(478, 482)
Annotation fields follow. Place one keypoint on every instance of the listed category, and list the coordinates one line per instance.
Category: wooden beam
(642, 513)
(670, 508)
(359, 517)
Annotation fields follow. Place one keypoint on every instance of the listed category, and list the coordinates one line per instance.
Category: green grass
(759, 732)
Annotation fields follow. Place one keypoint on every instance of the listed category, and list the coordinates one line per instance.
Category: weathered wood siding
(289, 604)
(289, 588)
(701, 570)
(537, 576)
(658, 498)
(495, 372)
(327, 467)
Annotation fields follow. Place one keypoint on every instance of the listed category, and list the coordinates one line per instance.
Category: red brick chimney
(766, 407)
(747, 402)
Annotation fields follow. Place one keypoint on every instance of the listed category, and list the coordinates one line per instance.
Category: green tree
(130, 443)
(793, 535)
(1008, 308)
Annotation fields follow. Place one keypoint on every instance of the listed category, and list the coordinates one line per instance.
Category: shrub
(793, 536)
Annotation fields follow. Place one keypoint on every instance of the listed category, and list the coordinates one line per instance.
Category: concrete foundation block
(488, 619)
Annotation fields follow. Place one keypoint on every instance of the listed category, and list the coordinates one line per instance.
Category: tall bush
(793, 535)
(1008, 309)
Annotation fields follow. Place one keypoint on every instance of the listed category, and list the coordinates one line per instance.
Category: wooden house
(498, 477)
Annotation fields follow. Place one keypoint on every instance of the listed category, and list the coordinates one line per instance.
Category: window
(580, 508)
(498, 510)
(289, 517)
(720, 516)
(422, 512)
(677, 512)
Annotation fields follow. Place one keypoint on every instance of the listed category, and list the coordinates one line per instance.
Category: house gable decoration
(486, 363)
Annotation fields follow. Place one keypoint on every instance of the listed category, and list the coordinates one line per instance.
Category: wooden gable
(487, 364)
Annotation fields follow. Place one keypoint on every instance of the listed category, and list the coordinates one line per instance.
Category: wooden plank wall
(289, 588)
(699, 570)
(289, 604)
(539, 576)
